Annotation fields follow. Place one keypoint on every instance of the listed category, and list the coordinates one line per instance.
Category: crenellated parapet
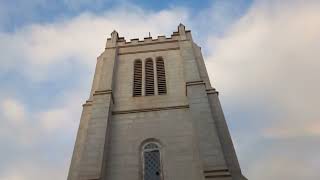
(181, 34)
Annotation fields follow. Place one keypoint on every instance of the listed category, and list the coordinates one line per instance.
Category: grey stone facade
(187, 122)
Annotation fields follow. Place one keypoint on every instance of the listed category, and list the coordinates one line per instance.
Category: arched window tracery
(151, 161)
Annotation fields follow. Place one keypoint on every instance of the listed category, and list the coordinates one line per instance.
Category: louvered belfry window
(137, 78)
(149, 78)
(161, 77)
(151, 162)
(145, 80)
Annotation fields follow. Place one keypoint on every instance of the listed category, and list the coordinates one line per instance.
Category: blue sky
(261, 55)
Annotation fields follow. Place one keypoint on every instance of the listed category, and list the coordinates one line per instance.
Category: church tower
(152, 114)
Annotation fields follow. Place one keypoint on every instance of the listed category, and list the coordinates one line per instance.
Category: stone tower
(152, 114)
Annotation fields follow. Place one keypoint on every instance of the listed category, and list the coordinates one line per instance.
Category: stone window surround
(144, 149)
(155, 76)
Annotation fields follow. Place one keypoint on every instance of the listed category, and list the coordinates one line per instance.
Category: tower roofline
(121, 41)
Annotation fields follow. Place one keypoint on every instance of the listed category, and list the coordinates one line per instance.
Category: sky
(262, 56)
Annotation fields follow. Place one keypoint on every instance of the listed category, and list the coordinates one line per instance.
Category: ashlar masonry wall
(187, 122)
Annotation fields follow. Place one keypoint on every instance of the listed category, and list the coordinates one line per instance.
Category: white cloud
(36, 48)
(36, 136)
(27, 125)
(271, 55)
(269, 60)
(14, 123)
(32, 170)
(34, 51)
(283, 167)
(65, 115)
(13, 110)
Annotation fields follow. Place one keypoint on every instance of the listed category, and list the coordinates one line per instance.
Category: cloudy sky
(263, 57)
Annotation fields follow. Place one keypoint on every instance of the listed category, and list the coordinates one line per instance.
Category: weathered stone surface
(187, 122)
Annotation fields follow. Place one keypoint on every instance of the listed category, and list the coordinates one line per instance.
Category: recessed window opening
(149, 78)
(137, 78)
(151, 162)
(161, 76)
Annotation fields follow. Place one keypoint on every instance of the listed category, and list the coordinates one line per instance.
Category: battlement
(121, 41)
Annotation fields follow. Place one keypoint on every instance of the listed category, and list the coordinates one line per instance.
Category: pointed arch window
(161, 76)
(137, 78)
(149, 77)
(151, 161)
